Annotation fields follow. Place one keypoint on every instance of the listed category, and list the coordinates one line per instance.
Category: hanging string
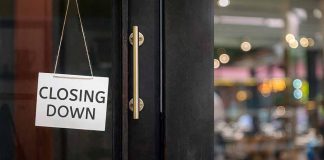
(83, 35)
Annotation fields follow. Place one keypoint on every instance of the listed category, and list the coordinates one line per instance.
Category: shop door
(30, 33)
(175, 87)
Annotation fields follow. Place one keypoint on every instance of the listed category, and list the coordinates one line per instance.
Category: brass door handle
(136, 104)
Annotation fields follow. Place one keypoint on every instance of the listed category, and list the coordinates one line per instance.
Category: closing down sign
(70, 101)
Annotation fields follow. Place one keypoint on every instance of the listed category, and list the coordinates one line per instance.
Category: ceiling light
(224, 58)
(311, 42)
(304, 42)
(317, 13)
(216, 63)
(223, 3)
(290, 38)
(246, 46)
(293, 44)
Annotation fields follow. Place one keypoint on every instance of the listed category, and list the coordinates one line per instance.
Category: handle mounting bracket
(131, 105)
(140, 38)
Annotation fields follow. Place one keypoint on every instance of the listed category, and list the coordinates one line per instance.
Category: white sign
(71, 101)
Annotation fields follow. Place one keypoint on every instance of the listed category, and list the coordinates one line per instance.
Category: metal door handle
(136, 104)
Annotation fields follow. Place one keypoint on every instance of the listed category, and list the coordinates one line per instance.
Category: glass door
(29, 36)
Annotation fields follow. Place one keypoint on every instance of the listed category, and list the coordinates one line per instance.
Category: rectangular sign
(71, 101)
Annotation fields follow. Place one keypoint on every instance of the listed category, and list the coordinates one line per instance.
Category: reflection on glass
(29, 35)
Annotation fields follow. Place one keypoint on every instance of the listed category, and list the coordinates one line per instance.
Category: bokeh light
(311, 42)
(265, 88)
(304, 42)
(298, 94)
(216, 63)
(290, 37)
(224, 58)
(223, 3)
(241, 95)
(278, 84)
(246, 46)
(317, 13)
(293, 44)
(297, 83)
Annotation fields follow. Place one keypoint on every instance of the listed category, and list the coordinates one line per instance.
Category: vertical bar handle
(135, 74)
(136, 104)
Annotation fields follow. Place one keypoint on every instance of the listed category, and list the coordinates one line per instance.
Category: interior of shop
(268, 79)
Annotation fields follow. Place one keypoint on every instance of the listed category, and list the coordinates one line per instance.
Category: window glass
(29, 36)
(268, 79)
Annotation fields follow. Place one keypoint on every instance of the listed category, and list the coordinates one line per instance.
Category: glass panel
(268, 74)
(29, 36)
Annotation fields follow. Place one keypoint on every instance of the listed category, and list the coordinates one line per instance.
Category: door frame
(124, 110)
(131, 17)
(185, 61)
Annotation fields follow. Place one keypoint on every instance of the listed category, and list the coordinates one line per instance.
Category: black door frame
(143, 136)
(188, 79)
(182, 109)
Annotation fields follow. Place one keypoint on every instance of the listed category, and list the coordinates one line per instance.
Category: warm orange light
(278, 85)
(241, 95)
(265, 88)
(272, 85)
(311, 105)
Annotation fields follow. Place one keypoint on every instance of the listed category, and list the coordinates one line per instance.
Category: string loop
(83, 35)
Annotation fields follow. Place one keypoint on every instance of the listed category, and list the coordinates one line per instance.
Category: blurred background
(268, 79)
